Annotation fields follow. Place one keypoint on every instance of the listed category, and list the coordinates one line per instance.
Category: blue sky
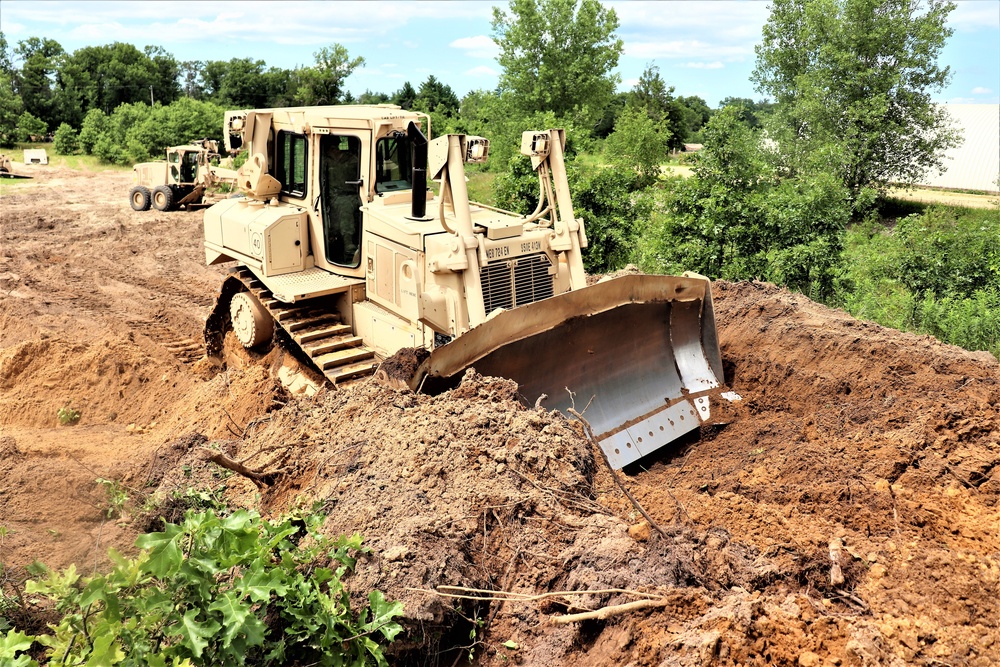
(703, 48)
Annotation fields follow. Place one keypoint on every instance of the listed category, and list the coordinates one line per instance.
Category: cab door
(342, 163)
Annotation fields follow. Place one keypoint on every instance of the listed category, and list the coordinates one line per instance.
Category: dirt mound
(852, 445)
(843, 512)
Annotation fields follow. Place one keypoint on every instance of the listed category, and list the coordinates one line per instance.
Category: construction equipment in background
(344, 255)
(189, 177)
(7, 169)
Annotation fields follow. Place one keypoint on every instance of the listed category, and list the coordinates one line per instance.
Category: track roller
(252, 323)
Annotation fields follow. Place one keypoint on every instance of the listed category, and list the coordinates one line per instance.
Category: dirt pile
(854, 449)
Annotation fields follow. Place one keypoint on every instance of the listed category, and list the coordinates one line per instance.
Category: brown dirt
(879, 446)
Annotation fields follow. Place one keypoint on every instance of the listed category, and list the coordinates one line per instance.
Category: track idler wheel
(252, 323)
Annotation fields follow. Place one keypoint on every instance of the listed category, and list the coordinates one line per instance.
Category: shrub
(612, 206)
(66, 140)
(94, 125)
(216, 590)
(638, 144)
(737, 219)
(30, 128)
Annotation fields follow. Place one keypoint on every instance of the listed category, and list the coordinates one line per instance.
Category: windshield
(393, 164)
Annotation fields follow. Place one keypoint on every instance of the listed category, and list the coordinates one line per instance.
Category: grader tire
(163, 198)
(139, 197)
(252, 323)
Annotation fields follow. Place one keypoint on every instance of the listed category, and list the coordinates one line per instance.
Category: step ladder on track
(331, 345)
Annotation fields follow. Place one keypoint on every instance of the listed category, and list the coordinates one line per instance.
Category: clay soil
(843, 511)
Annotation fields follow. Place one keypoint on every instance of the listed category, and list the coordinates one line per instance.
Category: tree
(558, 55)
(104, 77)
(751, 112)
(65, 140)
(94, 125)
(324, 82)
(243, 85)
(405, 96)
(652, 95)
(695, 113)
(30, 128)
(190, 72)
(853, 81)
(10, 110)
(638, 144)
(39, 60)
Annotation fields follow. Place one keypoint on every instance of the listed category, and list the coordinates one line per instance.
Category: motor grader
(187, 177)
(343, 252)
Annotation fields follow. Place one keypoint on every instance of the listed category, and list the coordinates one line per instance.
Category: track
(314, 327)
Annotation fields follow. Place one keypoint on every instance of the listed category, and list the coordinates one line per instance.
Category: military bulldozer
(343, 252)
(188, 177)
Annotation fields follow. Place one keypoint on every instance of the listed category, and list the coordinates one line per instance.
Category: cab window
(291, 164)
(393, 164)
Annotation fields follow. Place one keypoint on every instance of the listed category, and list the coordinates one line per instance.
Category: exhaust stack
(418, 206)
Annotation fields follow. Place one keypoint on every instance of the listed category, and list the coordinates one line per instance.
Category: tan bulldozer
(188, 177)
(344, 254)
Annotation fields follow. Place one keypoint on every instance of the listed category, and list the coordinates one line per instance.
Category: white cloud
(479, 46)
(974, 15)
(482, 70)
(701, 65)
(979, 90)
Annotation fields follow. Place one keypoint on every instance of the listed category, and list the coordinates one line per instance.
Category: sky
(702, 47)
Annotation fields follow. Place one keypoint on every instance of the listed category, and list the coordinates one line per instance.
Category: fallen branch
(614, 474)
(484, 595)
(261, 479)
(605, 612)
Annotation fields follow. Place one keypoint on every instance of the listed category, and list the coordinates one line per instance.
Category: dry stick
(604, 612)
(485, 595)
(258, 478)
(614, 475)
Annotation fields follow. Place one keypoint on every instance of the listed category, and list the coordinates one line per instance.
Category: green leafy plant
(68, 415)
(218, 590)
(117, 496)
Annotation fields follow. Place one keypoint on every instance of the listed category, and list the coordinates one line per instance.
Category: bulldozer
(343, 253)
(187, 178)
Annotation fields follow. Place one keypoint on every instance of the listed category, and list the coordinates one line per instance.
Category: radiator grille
(516, 282)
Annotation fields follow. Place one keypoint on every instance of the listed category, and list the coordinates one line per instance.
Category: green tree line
(847, 113)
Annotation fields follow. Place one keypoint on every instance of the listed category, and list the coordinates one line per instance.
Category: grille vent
(516, 282)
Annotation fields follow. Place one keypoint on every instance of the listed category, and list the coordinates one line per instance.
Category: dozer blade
(639, 352)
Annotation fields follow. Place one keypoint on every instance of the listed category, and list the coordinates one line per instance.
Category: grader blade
(639, 353)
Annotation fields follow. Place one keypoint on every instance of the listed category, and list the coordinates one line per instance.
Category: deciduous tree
(558, 54)
(853, 80)
(323, 83)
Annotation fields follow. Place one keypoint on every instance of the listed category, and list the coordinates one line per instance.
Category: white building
(975, 165)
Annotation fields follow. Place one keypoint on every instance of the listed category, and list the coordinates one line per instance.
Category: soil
(843, 511)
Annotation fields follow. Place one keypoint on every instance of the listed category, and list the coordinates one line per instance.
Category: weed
(68, 416)
(117, 497)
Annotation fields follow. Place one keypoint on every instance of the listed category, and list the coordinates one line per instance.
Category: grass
(78, 162)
